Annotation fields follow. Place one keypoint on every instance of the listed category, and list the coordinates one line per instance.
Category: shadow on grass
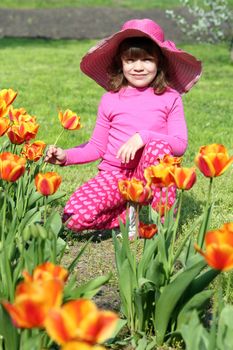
(96, 235)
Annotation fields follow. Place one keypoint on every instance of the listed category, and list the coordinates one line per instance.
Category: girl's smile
(139, 72)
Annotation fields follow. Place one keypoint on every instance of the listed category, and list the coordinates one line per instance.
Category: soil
(78, 23)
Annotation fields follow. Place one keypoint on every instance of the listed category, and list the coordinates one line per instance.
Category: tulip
(46, 271)
(213, 160)
(80, 320)
(170, 160)
(134, 190)
(219, 248)
(77, 345)
(161, 208)
(69, 120)
(11, 166)
(6, 99)
(22, 132)
(33, 301)
(20, 115)
(184, 178)
(4, 125)
(8, 95)
(159, 175)
(147, 231)
(48, 183)
(34, 151)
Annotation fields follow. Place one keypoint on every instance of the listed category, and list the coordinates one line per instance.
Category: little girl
(139, 119)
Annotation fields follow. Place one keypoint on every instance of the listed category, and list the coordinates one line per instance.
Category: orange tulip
(213, 160)
(48, 183)
(134, 190)
(34, 151)
(77, 345)
(184, 178)
(4, 125)
(11, 166)
(69, 120)
(159, 175)
(147, 231)
(80, 320)
(46, 271)
(219, 248)
(170, 160)
(22, 132)
(33, 301)
(20, 115)
(7, 97)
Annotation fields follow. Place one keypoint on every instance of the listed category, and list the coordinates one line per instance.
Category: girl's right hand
(55, 155)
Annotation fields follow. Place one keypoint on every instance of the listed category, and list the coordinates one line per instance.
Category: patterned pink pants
(97, 204)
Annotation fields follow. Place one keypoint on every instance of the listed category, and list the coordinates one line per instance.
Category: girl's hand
(127, 150)
(55, 155)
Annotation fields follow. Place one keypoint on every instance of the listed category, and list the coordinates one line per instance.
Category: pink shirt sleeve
(177, 135)
(96, 147)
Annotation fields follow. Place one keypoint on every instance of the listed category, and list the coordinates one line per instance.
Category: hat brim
(183, 68)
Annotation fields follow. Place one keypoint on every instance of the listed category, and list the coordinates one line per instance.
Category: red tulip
(219, 248)
(11, 166)
(22, 132)
(184, 178)
(4, 125)
(33, 301)
(134, 190)
(48, 183)
(147, 231)
(213, 160)
(80, 320)
(69, 120)
(46, 271)
(33, 151)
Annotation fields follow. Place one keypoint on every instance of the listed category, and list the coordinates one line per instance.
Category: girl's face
(139, 71)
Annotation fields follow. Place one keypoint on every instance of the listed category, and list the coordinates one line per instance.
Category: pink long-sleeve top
(129, 111)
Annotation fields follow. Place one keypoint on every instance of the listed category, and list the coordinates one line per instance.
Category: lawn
(133, 4)
(47, 77)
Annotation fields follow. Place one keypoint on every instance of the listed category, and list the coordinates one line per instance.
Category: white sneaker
(132, 222)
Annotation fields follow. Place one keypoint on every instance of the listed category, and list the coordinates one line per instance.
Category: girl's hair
(138, 47)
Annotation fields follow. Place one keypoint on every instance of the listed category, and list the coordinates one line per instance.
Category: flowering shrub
(211, 22)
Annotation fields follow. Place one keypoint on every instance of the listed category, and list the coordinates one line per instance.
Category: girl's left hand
(127, 150)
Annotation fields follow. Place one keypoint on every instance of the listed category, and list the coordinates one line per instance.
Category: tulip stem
(205, 223)
(45, 208)
(229, 277)
(57, 139)
(176, 227)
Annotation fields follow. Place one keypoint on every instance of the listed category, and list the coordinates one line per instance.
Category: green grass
(133, 4)
(47, 77)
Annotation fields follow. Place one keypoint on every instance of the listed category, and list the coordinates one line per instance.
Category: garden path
(77, 23)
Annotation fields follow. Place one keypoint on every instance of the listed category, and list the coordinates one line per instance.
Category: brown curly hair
(138, 47)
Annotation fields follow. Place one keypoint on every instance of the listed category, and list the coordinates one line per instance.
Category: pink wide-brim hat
(184, 69)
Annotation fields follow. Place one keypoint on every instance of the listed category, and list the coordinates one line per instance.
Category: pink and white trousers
(98, 204)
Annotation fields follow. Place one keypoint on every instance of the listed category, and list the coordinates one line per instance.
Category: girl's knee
(157, 148)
